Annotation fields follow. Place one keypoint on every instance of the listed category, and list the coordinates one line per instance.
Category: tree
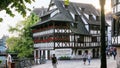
(23, 44)
(18, 5)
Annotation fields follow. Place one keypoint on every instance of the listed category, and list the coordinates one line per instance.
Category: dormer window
(86, 15)
(73, 16)
(90, 17)
(76, 17)
(97, 18)
(83, 9)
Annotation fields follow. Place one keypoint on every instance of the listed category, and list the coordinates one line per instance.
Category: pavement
(95, 63)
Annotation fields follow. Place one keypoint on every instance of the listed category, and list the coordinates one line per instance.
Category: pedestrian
(54, 61)
(114, 53)
(84, 57)
(9, 60)
(108, 54)
(89, 58)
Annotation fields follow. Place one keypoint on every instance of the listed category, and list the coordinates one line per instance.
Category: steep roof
(67, 12)
(59, 17)
(79, 9)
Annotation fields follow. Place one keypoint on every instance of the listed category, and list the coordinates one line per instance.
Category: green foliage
(18, 5)
(0, 61)
(1, 19)
(64, 58)
(23, 44)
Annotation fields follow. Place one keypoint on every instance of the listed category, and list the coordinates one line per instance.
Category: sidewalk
(95, 63)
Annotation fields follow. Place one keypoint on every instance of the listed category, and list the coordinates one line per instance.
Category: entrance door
(98, 53)
(93, 51)
(48, 54)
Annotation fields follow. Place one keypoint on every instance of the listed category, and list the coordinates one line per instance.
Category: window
(79, 52)
(76, 17)
(86, 51)
(90, 17)
(97, 18)
(81, 39)
(83, 9)
(94, 39)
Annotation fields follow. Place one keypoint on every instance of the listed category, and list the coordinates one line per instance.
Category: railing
(52, 39)
(72, 44)
(49, 27)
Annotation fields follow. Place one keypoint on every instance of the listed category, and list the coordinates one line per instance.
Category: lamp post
(103, 42)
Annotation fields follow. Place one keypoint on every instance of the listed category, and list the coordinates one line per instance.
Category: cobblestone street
(95, 63)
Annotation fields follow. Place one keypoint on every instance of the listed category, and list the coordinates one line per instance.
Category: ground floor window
(79, 52)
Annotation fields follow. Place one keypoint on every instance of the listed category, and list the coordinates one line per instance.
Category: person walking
(114, 53)
(89, 58)
(54, 61)
(9, 60)
(84, 57)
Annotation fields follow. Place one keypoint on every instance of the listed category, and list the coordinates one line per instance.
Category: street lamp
(103, 42)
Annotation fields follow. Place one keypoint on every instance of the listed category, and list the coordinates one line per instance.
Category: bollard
(6, 64)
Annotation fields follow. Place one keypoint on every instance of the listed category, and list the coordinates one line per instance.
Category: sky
(11, 21)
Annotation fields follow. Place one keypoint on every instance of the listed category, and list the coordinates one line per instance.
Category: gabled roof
(81, 27)
(57, 17)
(76, 9)
(88, 8)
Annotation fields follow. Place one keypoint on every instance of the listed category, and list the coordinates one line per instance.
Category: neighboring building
(68, 31)
(3, 47)
(116, 28)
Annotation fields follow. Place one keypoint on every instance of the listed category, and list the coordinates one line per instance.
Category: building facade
(116, 28)
(3, 46)
(67, 31)
(3, 49)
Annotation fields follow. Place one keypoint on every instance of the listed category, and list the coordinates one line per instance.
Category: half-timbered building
(67, 31)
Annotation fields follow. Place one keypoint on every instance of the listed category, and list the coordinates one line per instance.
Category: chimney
(82, 9)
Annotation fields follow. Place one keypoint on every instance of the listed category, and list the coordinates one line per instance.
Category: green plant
(64, 58)
(0, 61)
